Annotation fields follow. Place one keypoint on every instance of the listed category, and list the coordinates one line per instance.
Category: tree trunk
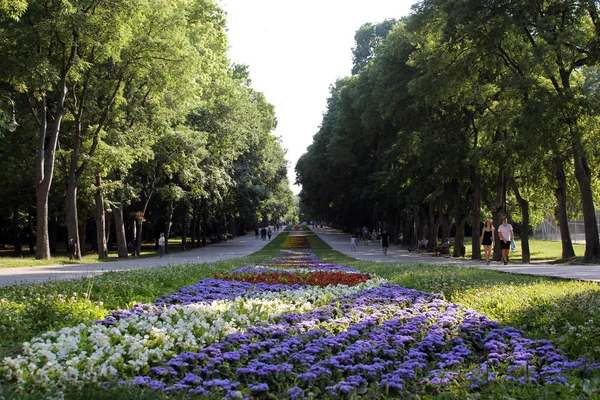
(53, 233)
(459, 224)
(47, 153)
(584, 178)
(446, 222)
(476, 218)
(459, 236)
(560, 192)
(94, 238)
(134, 251)
(185, 225)
(194, 224)
(417, 227)
(498, 212)
(524, 204)
(18, 252)
(100, 220)
(72, 220)
(204, 220)
(432, 243)
(170, 209)
(30, 235)
(82, 229)
(107, 224)
(120, 229)
(407, 230)
(44, 172)
(140, 221)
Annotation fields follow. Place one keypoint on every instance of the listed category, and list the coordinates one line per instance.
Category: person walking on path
(487, 240)
(161, 245)
(353, 243)
(505, 231)
(256, 232)
(385, 241)
(365, 233)
(269, 233)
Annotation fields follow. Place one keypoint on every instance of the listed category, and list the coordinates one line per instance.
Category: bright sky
(295, 51)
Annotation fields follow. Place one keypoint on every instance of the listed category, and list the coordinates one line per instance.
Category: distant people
(353, 243)
(263, 233)
(365, 232)
(420, 246)
(444, 248)
(487, 239)
(256, 233)
(505, 231)
(269, 233)
(161, 245)
(385, 241)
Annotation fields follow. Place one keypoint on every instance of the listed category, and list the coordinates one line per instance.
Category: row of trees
(465, 110)
(131, 111)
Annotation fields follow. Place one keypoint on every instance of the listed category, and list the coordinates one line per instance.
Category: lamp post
(12, 125)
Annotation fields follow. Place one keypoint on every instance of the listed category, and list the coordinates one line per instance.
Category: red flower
(317, 278)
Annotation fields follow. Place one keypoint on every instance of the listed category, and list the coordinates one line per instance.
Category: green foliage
(462, 111)
(152, 107)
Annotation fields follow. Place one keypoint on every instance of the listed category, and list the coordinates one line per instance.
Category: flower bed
(386, 340)
(285, 329)
(312, 278)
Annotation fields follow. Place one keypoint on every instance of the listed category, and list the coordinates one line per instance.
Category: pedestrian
(353, 243)
(263, 233)
(385, 241)
(487, 239)
(161, 245)
(256, 232)
(505, 231)
(269, 233)
(365, 233)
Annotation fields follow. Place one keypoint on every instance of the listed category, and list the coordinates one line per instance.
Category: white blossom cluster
(87, 353)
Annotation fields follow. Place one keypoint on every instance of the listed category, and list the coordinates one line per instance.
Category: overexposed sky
(295, 51)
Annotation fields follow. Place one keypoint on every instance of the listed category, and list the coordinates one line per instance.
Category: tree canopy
(461, 112)
(137, 113)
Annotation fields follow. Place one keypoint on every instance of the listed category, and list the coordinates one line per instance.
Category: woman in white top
(505, 231)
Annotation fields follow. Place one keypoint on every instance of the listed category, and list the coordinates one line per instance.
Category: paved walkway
(340, 241)
(238, 247)
(245, 245)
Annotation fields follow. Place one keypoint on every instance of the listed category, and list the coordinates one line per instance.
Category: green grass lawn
(541, 251)
(62, 257)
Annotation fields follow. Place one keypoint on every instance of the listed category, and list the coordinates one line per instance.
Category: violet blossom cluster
(388, 339)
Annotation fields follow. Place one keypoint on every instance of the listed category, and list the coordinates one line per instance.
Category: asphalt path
(238, 247)
(248, 244)
(340, 241)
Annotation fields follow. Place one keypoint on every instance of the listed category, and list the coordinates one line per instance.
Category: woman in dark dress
(487, 239)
